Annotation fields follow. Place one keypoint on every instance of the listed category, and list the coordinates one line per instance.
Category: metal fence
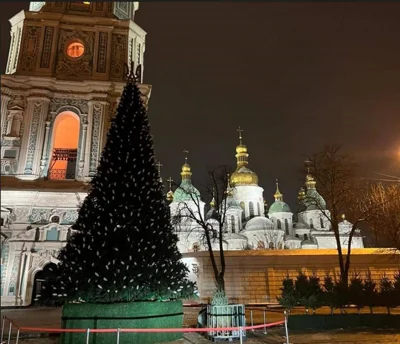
(120, 331)
(226, 316)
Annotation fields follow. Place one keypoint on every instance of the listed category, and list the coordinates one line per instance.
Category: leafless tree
(340, 185)
(274, 238)
(212, 230)
(386, 223)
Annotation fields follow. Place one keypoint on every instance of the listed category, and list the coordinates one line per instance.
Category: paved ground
(50, 318)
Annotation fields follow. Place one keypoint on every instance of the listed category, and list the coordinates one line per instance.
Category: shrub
(356, 290)
(303, 290)
(370, 294)
(288, 297)
(396, 291)
(328, 296)
(386, 293)
(316, 292)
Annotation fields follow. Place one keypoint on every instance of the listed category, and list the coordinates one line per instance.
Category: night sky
(294, 76)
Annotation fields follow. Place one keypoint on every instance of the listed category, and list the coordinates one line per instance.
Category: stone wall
(256, 276)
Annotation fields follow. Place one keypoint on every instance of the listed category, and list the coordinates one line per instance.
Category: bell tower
(65, 72)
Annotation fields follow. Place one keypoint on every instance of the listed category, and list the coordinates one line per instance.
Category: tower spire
(159, 165)
(310, 181)
(170, 193)
(241, 150)
(213, 203)
(186, 173)
(278, 195)
(240, 131)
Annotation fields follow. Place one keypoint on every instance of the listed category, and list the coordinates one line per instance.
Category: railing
(60, 174)
(264, 310)
(119, 331)
(10, 328)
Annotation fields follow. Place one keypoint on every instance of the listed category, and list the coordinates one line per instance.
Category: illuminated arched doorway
(41, 286)
(65, 146)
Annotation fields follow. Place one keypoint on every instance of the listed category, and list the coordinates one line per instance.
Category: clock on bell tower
(76, 40)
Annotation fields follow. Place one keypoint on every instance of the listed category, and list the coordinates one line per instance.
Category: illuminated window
(251, 209)
(75, 49)
(233, 224)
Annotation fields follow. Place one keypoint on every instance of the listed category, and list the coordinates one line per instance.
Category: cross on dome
(186, 152)
(240, 131)
(170, 180)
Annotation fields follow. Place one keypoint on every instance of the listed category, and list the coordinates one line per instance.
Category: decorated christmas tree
(123, 248)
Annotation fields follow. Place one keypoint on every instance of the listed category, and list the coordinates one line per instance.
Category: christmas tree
(124, 248)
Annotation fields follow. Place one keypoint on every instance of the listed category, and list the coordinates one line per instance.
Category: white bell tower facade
(66, 70)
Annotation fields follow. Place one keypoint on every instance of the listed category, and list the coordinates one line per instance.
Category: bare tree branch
(190, 216)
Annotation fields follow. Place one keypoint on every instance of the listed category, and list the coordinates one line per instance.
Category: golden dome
(310, 181)
(186, 171)
(301, 195)
(185, 167)
(170, 196)
(241, 149)
(278, 194)
(243, 176)
(213, 203)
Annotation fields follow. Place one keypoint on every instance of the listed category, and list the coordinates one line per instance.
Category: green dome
(185, 192)
(279, 207)
(314, 201)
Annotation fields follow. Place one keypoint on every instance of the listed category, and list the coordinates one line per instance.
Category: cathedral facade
(248, 223)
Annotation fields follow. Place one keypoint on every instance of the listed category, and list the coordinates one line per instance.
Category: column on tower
(35, 123)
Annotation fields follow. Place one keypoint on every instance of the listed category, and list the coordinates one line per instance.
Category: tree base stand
(122, 315)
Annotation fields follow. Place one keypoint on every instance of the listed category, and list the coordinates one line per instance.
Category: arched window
(311, 223)
(287, 226)
(196, 247)
(243, 212)
(65, 146)
(322, 222)
(305, 237)
(296, 235)
(279, 224)
(251, 209)
(258, 209)
(271, 246)
(233, 224)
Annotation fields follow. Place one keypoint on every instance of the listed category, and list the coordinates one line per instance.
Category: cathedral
(65, 73)
(249, 223)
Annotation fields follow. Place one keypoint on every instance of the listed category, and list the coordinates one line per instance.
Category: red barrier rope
(141, 330)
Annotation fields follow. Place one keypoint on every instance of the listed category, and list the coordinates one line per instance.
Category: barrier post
(16, 341)
(87, 335)
(118, 332)
(2, 328)
(286, 328)
(265, 323)
(9, 333)
(241, 334)
(251, 319)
